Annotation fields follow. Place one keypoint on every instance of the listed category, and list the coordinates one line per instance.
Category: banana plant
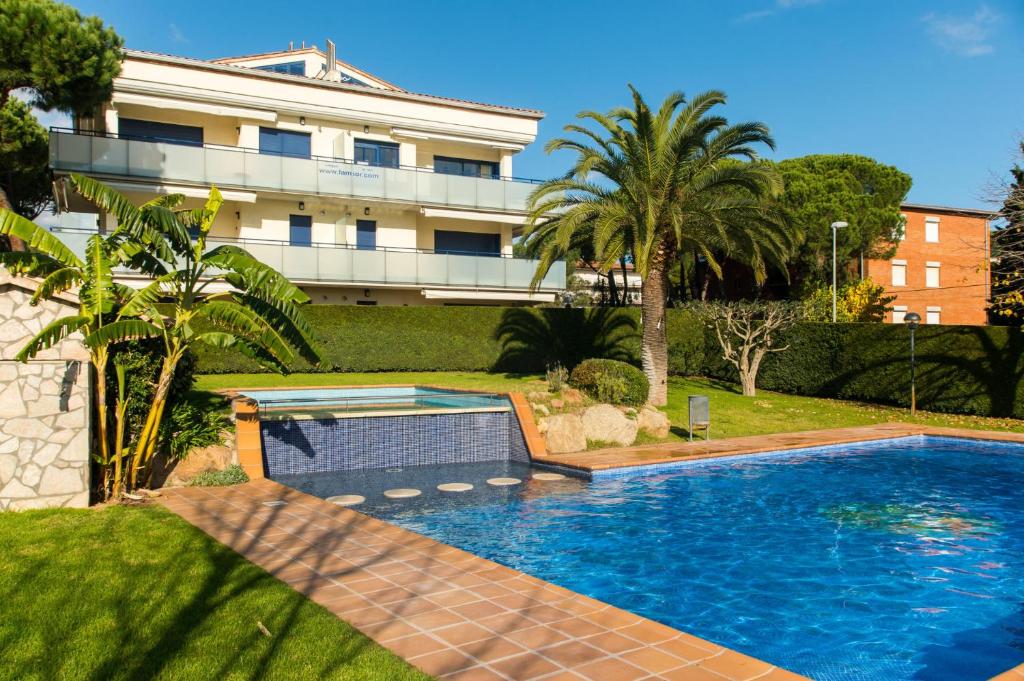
(99, 296)
(222, 297)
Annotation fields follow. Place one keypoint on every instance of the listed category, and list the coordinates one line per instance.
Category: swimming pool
(311, 401)
(898, 559)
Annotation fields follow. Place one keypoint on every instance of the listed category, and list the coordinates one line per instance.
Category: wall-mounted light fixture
(302, 205)
(238, 215)
(366, 128)
(366, 293)
(302, 120)
(366, 211)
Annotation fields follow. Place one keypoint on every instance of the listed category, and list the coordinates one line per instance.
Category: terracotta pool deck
(461, 617)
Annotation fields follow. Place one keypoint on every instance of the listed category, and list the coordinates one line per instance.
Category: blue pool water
(376, 398)
(892, 560)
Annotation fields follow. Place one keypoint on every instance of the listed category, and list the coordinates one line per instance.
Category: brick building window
(933, 315)
(898, 313)
(931, 275)
(931, 230)
(899, 272)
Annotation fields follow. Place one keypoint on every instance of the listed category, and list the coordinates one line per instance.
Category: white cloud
(965, 36)
(177, 35)
(777, 7)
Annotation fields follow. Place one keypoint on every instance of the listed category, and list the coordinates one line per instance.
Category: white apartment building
(357, 190)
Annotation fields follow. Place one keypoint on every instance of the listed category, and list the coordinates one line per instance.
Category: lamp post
(912, 320)
(836, 226)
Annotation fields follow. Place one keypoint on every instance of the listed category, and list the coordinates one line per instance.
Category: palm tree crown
(649, 184)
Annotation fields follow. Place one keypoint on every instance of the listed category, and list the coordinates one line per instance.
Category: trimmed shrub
(608, 380)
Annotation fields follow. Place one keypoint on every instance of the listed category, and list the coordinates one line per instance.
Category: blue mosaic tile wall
(320, 445)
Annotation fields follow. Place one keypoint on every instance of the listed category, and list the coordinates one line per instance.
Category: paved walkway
(461, 617)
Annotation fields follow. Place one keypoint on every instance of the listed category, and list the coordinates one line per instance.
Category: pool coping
(456, 615)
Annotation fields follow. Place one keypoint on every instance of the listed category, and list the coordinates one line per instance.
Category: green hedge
(965, 369)
(960, 369)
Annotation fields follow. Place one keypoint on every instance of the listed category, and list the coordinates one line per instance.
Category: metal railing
(344, 263)
(237, 167)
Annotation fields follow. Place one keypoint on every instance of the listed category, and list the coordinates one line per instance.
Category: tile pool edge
(437, 621)
(620, 459)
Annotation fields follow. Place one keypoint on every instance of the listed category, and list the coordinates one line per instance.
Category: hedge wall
(964, 369)
(516, 339)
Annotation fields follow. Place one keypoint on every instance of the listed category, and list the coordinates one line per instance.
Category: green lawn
(732, 414)
(137, 593)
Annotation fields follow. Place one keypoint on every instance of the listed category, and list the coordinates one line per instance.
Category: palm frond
(51, 334)
(37, 238)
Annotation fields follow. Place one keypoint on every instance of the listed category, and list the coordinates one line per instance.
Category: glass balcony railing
(342, 264)
(235, 167)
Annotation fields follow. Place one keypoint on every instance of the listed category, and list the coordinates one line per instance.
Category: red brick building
(941, 268)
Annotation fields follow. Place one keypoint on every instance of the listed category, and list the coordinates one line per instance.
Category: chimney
(331, 66)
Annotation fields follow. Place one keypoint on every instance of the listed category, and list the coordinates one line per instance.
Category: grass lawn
(732, 414)
(136, 592)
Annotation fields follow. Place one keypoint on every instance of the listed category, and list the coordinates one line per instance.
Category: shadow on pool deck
(450, 613)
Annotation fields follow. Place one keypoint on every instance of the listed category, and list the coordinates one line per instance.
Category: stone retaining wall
(44, 413)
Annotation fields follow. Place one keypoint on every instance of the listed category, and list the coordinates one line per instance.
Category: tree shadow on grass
(533, 338)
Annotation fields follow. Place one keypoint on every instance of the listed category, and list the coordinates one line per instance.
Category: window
(900, 233)
(284, 143)
(151, 131)
(466, 243)
(899, 272)
(933, 315)
(366, 302)
(899, 312)
(384, 154)
(300, 230)
(465, 166)
(292, 68)
(931, 275)
(366, 235)
(931, 230)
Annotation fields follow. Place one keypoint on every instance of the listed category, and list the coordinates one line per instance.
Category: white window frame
(898, 313)
(931, 230)
(933, 310)
(929, 269)
(897, 266)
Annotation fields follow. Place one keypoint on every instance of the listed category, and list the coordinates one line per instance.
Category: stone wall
(44, 414)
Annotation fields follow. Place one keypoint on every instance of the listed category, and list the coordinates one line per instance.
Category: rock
(605, 423)
(557, 404)
(572, 396)
(62, 481)
(653, 422)
(540, 409)
(201, 460)
(564, 433)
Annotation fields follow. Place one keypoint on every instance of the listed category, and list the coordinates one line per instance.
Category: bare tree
(747, 331)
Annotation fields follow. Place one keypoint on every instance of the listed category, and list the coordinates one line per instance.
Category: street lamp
(912, 320)
(836, 226)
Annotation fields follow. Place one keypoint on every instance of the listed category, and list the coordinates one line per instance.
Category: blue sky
(931, 87)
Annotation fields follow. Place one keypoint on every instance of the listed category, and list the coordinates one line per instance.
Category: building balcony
(235, 167)
(334, 264)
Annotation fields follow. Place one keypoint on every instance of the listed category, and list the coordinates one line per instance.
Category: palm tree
(99, 296)
(257, 314)
(650, 184)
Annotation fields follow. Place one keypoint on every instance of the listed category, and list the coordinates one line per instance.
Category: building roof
(974, 212)
(302, 51)
(373, 92)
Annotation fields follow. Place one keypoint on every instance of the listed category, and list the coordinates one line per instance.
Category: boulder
(572, 396)
(605, 423)
(564, 433)
(557, 403)
(540, 409)
(653, 422)
(199, 460)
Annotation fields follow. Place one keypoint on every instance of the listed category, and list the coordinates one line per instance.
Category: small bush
(191, 426)
(609, 380)
(556, 375)
(232, 475)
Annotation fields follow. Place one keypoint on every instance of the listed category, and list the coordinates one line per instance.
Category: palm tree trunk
(146, 445)
(654, 353)
(613, 298)
(625, 283)
(99, 362)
